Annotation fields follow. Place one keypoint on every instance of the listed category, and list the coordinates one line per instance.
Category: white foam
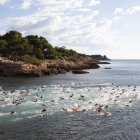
(4, 114)
(111, 95)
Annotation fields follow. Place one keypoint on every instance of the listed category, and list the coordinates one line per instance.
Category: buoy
(74, 109)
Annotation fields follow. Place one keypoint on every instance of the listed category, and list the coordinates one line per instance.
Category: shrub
(32, 60)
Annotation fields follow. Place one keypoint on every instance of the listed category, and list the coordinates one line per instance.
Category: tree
(44, 41)
(3, 44)
(35, 42)
(12, 36)
(104, 57)
(19, 48)
(39, 54)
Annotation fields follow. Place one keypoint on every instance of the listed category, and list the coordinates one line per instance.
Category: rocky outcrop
(107, 68)
(47, 67)
(104, 63)
(79, 72)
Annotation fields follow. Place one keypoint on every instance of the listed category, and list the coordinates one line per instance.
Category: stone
(79, 72)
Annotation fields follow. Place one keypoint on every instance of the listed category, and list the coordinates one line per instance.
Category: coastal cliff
(47, 67)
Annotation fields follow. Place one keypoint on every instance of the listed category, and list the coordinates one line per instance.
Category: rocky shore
(47, 67)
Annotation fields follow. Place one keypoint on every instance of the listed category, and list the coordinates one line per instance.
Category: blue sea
(73, 106)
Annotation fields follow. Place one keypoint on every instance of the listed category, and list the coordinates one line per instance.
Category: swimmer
(41, 96)
(71, 95)
(131, 101)
(37, 95)
(35, 100)
(99, 109)
(45, 114)
(43, 86)
(14, 101)
(82, 95)
(83, 110)
(18, 103)
(106, 113)
(27, 93)
(3, 99)
(61, 98)
(63, 109)
(106, 106)
(12, 112)
(44, 110)
(20, 99)
(96, 104)
(52, 100)
(12, 91)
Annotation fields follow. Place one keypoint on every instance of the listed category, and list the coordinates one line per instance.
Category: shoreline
(48, 67)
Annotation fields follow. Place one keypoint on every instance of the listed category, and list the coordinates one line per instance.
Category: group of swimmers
(98, 106)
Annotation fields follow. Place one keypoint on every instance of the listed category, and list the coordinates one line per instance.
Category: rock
(61, 71)
(107, 68)
(94, 66)
(79, 72)
(47, 67)
(104, 63)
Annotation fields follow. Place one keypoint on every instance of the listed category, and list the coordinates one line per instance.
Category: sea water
(117, 90)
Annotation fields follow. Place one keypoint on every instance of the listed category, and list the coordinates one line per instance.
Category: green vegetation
(32, 60)
(32, 49)
(99, 57)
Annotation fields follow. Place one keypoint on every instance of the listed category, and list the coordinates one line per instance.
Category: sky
(106, 27)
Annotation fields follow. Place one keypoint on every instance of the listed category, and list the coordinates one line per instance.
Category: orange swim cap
(74, 109)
